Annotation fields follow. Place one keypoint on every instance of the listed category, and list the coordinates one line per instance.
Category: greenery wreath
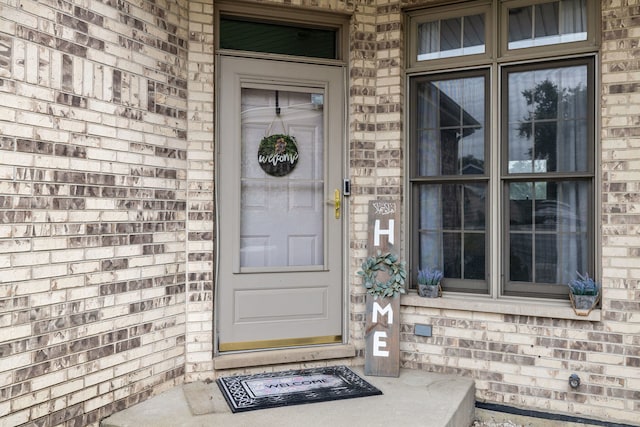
(390, 264)
(278, 154)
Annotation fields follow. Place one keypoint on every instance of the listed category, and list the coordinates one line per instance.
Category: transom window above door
(272, 37)
(502, 146)
(270, 29)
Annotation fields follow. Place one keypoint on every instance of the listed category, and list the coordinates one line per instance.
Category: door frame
(243, 9)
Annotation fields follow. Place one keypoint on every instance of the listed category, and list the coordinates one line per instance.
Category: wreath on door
(278, 154)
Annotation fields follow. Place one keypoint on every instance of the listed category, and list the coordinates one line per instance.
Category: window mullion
(495, 187)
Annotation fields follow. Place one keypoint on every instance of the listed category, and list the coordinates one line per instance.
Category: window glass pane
(551, 255)
(546, 258)
(551, 228)
(548, 23)
(428, 40)
(474, 256)
(473, 31)
(547, 130)
(452, 229)
(279, 38)
(520, 259)
(563, 207)
(521, 206)
(430, 205)
(451, 207)
(474, 206)
(450, 127)
(450, 34)
(431, 250)
(452, 251)
(282, 216)
(520, 24)
(451, 37)
(428, 142)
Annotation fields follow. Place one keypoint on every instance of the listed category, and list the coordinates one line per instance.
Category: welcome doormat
(273, 389)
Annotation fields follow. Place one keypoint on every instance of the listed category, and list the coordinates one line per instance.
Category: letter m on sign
(386, 310)
(382, 337)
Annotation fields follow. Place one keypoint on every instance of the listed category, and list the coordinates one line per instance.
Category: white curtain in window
(573, 17)
(572, 155)
(428, 40)
(430, 195)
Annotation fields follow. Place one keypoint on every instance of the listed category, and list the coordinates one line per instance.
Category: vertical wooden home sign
(382, 330)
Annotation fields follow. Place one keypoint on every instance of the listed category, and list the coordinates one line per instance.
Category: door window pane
(282, 216)
(549, 23)
(547, 120)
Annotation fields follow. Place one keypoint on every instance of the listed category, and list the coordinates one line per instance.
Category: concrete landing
(416, 398)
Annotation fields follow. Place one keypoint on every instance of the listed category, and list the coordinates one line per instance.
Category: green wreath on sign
(278, 154)
(394, 268)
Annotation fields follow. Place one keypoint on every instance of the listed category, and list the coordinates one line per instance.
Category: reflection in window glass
(545, 24)
(549, 23)
(451, 37)
(450, 31)
(453, 229)
(282, 217)
(548, 231)
(451, 127)
(547, 114)
(544, 151)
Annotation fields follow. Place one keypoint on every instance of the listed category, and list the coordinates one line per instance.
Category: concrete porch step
(416, 398)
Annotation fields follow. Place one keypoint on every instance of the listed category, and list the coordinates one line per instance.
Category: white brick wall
(105, 280)
(107, 215)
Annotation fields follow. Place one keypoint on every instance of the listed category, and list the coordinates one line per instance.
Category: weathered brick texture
(107, 214)
(200, 190)
(93, 198)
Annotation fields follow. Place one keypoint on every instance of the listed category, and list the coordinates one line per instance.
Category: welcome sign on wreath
(278, 154)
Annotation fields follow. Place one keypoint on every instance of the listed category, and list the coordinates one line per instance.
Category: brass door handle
(336, 199)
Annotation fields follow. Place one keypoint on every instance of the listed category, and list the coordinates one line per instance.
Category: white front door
(281, 144)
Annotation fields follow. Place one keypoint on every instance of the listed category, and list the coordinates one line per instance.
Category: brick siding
(107, 215)
(93, 204)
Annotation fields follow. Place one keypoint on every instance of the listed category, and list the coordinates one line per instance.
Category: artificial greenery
(584, 285)
(429, 276)
(278, 154)
(394, 268)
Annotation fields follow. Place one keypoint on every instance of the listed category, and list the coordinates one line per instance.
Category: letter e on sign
(378, 342)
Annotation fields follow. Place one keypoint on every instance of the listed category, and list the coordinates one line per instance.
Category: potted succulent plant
(429, 283)
(584, 293)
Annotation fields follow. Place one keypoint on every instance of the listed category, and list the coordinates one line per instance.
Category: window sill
(505, 305)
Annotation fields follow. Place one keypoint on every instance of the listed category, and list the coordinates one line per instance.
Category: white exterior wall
(107, 216)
